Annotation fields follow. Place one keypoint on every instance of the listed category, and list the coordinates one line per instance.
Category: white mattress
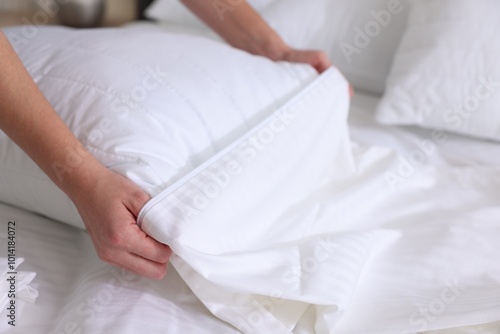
(77, 291)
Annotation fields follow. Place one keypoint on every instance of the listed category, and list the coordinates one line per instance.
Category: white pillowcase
(361, 36)
(240, 223)
(148, 104)
(446, 73)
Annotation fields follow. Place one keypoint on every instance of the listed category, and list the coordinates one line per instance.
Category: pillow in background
(360, 36)
(148, 104)
(446, 73)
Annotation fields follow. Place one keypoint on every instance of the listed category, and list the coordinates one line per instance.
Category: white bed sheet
(456, 150)
(78, 292)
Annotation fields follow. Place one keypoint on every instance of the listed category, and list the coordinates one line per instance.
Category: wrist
(79, 174)
(274, 48)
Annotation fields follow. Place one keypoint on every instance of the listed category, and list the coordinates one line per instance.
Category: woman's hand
(109, 207)
(107, 202)
(244, 28)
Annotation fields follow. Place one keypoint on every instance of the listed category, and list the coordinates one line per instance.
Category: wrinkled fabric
(313, 225)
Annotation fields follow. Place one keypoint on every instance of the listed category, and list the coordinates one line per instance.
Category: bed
(395, 217)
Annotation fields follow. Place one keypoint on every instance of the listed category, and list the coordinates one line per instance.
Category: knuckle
(140, 197)
(115, 240)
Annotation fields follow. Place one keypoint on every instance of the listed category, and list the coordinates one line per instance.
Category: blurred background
(77, 13)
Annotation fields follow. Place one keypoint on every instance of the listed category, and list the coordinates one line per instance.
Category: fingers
(140, 266)
(140, 244)
(320, 61)
(109, 214)
(317, 59)
(133, 250)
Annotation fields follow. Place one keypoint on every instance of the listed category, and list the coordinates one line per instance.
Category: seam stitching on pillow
(124, 157)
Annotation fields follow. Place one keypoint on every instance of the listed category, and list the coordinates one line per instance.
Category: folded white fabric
(442, 272)
(243, 225)
(263, 236)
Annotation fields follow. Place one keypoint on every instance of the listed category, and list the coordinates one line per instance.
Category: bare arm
(242, 27)
(107, 202)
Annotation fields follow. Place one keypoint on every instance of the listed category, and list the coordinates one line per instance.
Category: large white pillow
(149, 105)
(361, 36)
(241, 223)
(446, 73)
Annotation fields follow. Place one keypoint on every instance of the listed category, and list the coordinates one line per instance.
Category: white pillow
(149, 105)
(446, 73)
(360, 36)
(242, 222)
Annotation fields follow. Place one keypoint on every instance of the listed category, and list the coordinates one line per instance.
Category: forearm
(241, 26)
(107, 202)
(29, 120)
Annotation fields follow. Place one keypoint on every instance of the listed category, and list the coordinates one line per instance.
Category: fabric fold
(15, 285)
(243, 227)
